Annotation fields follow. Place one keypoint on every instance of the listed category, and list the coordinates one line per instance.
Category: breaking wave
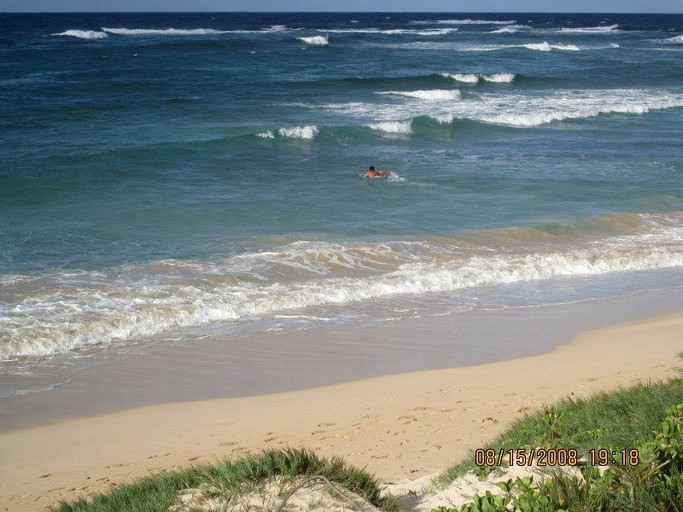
(315, 40)
(430, 95)
(474, 78)
(463, 22)
(296, 132)
(394, 127)
(56, 313)
(546, 47)
(590, 30)
(505, 108)
(162, 32)
(83, 34)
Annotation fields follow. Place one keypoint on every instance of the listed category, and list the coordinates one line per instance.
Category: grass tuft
(159, 492)
(612, 419)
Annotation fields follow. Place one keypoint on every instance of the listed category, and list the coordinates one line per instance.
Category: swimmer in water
(372, 173)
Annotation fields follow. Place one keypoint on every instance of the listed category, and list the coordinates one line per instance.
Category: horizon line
(328, 12)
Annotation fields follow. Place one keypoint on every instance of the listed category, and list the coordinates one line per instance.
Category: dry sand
(401, 427)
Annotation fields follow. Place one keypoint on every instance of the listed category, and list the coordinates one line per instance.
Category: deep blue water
(163, 171)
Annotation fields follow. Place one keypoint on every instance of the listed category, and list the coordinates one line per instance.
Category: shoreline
(274, 362)
(400, 427)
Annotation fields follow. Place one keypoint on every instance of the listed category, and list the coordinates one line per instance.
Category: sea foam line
(463, 22)
(83, 34)
(591, 30)
(474, 78)
(514, 109)
(392, 31)
(546, 47)
(163, 32)
(543, 47)
(105, 31)
(79, 311)
(430, 95)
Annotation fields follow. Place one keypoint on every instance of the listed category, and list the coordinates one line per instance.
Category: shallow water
(169, 172)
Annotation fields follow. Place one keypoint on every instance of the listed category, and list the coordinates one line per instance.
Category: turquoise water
(181, 171)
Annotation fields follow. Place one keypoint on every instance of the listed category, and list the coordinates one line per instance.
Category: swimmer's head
(371, 168)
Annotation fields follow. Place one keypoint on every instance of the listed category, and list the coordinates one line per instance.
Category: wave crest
(394, 127)
(546, 47)
(590, 30)
(474, 78)
(429, 95)
(58, 313)
(296, 132)
(83, 34)
(315, 40)
(162, 32)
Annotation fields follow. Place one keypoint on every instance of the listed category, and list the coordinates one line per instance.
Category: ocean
(168, 178)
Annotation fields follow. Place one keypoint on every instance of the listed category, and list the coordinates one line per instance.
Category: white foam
(512, 108)
(64, 312)
(315, 40)
(464, 22)
(468, 78)
(433, 32)
(675, 40)
(162, 32)
(396, 127)
(474, 78)
(391, 32)
(505, 30)
(591, 30)
(396, 178)
(83, 34)
(501, 78)
(299, 132)
(429, 95)
(546, 47)
(511, 29)
(565, 105)
(296, 132)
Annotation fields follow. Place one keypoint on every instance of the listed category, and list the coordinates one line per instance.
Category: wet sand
(403, 399)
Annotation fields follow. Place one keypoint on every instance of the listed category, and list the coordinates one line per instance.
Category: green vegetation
(614, 421)
(646, 418)
(159, 492)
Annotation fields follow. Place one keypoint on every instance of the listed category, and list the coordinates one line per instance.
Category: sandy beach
(400, 426)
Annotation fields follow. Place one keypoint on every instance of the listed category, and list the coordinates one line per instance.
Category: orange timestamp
(526, 457)
(554, 457)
